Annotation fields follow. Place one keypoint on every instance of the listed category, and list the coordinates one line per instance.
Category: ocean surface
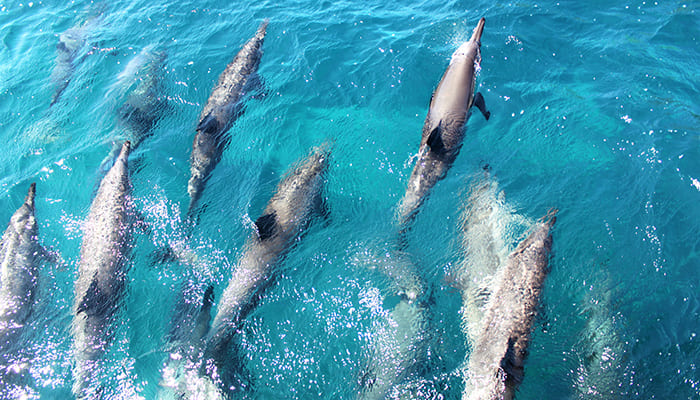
(594, 111)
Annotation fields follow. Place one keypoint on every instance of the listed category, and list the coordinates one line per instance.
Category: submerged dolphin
(443, 131)
(221, 110)
(496, 362)
(284, 219)
(101, 281)
(68, 55)
(400, 345)
(20, 256)
(143, 106)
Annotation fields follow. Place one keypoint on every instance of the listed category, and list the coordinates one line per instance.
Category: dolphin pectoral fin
(435, 140)
(481, 105)
(266, 226)
(208, 124)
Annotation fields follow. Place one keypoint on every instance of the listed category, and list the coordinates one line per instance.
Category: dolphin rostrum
(443, 130)
(101, 281)
(222, 109)
(496, 361)
(20, 256)
(285, 218)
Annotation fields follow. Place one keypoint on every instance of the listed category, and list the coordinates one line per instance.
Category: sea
(595, 112)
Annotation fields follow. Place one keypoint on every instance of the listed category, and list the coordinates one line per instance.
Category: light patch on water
(695, 183)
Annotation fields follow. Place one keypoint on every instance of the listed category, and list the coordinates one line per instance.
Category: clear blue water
(594, 111)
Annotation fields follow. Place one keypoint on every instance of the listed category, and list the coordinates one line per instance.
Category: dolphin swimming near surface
(496, 362)
(20, 257)
(285, 218)
(69, 53)
(488, 223)
(444, 127)
(101, 281)
(399, 345)
(222, 109)
(142, 108)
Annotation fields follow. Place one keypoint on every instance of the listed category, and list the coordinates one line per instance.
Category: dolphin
(71, 44)
(101, 281)
(222, 109)
(444, 127)
(488, 223)
(284, 219)
(142, 109)
(20, 256)
(400, 344)
(495, 366)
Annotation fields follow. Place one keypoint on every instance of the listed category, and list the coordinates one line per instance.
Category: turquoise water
(594, 111)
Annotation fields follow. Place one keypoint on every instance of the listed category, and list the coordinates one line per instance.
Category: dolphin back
(496, 362)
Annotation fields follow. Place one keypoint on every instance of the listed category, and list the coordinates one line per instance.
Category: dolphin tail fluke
(481, 105)
(476, 36)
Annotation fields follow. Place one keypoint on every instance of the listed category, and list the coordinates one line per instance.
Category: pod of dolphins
(499, 332)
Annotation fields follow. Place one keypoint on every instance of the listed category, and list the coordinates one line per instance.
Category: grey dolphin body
(221, 110)
(496, 362)
(101, 280)
(443, 130)
(20, 255)
(284, 219)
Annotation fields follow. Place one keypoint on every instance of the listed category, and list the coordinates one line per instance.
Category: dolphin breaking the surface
(444, 127)
(222, 109)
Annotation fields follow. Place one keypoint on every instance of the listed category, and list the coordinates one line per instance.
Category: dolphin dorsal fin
(208, 124)
(92, 298)
(266, 226)
(434, 140)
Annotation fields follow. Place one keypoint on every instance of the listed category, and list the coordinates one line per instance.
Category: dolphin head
(476, 36)
(124, 153)
(471, 49)
(29, 200)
